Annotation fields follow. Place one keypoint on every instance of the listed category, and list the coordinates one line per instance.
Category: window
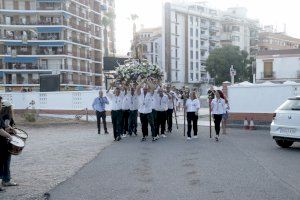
(191, 76)
(191, 43)
(176, 30)
(191, 66)
(191, 20)
(176, 76)
(176, 42)
(176, 64)
(197, 66)
(197, 32)
(191, 54)
(197, 76)
(197, 44)
(197, 55)
(176, 53)
(268, 69)
(236, 28)
(191, 32)
(235, 38)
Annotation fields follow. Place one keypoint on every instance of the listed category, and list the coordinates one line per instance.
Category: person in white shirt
(116, 100)
(160, 107)
(133, 112)
(172, 101)
(192, 109)
(125, 113)
(217, 110)
(145, 109)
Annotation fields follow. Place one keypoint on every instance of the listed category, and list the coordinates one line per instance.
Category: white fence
(260, 98)
(52, 100)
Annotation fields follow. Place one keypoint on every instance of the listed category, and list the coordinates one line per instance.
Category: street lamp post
(232, 74)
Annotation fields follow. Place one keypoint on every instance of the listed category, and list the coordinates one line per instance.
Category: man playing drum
(4, 155)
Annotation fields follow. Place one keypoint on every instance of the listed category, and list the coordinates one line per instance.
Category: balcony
(204, 36)
(268, 75)
(204, 26)
(214, 38)
(213, 28)
(204, 47)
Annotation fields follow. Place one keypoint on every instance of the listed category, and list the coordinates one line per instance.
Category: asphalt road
(242, 165)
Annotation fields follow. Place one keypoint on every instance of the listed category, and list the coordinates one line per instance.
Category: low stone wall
(261, 120)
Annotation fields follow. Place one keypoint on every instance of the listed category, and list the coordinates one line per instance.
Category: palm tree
(108, 21)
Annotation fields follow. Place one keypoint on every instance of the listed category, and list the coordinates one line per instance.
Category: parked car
(285, 127)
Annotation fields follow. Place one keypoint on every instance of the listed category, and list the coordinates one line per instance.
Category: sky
(268, 12)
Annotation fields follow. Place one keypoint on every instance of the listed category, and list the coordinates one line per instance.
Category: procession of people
(156, 106)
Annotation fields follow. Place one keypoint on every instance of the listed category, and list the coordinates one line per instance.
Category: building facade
(147, 44)
(272, 40)
(192, 30)
(278, 65)
(238, 30)
(53, 37)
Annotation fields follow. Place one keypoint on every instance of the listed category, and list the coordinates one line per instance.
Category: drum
(16, 145)
(21, 134)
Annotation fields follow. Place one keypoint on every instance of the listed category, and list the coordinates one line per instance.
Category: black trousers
(192, 118)
(145, 120)
(116, 118)
(217, 120)
(5, 158)
(125, 120)
(100, 115)
(132, 122)
(169, 119)
(160, 121)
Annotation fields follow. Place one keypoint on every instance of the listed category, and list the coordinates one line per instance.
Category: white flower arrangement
(134, 71)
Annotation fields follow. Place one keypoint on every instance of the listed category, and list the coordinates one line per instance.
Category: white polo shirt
(192, 105)
(126, 102)
(160, 103)
(218, 106)
(145, 102)
(133, 102)
(115, 101)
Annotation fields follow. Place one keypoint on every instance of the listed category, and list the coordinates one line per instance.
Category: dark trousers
(145, 120)
(132, 122)
(160, 121)
(100, 115)
(125, 120)
(192, 118)
(116, 118)
(217, 120)
(5, 159)
(169, 119)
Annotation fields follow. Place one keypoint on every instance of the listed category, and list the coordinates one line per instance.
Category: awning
(20, 59)
(49, 0)
(49, 29)
(51, 44)
(41, 44)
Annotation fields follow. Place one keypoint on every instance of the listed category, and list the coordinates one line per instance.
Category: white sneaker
(195, 137)
(188, 138)
(163, 135)
(124, 136)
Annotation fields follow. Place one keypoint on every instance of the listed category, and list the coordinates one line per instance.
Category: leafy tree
(220, 60)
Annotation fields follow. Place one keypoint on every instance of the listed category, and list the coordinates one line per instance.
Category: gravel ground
(53, 154)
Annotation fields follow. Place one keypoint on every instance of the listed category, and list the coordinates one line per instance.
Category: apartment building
(190, 31)
(53, 37)
(270, 39)
(147, 45)
(238, 30)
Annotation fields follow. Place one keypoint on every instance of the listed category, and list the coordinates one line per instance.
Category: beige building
(272, 40)
(53, 37)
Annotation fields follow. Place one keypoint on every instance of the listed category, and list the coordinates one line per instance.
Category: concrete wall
(56, 101)
(258, 101)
